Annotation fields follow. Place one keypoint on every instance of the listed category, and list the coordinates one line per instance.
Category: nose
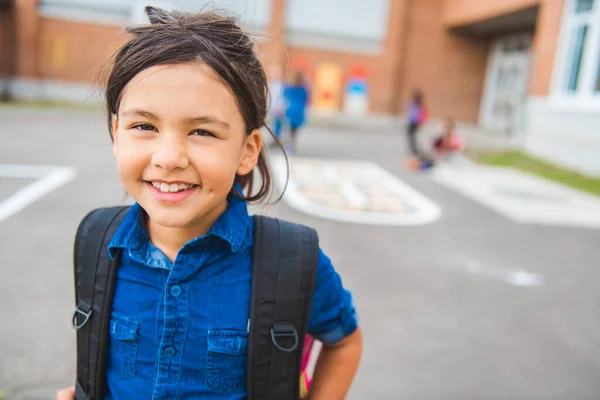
(170, 153)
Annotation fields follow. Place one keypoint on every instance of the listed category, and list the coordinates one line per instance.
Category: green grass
(519, 160)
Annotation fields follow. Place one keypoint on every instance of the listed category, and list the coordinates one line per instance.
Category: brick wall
(448, 68)
(460, 12)
(7, 47)
(418, 52)
(26, 38)
(75, 52)
(384, 69)
(545, 46)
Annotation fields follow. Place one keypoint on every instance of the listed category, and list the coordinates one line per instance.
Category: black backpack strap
(95, 277)
(285, 259)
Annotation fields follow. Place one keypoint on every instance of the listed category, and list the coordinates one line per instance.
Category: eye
(202, 132)
(143, 127)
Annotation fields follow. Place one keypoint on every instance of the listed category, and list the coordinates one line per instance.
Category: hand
(66, 394)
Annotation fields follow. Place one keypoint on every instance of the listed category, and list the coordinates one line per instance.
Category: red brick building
(507, 64)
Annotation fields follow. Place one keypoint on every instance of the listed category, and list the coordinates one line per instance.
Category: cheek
(219, 163)
(130, 160)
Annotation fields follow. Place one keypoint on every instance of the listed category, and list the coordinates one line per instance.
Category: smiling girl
(186, 98)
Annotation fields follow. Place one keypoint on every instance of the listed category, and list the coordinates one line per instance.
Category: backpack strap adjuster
(79, 314)
(284, 331)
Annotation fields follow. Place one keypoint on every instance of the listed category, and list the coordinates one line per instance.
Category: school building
(530, 67)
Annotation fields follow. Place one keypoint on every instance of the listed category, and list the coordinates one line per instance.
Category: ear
(115, 132)
(250, 153)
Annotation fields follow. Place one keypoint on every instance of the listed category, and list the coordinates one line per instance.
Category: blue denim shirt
(180, 330)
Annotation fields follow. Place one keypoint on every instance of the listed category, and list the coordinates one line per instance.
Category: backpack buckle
(284, 331)
(78, 315)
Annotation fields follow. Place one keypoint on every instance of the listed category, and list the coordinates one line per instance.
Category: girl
(417, 116)
(186, 98)
(296, 96)
(445, 146)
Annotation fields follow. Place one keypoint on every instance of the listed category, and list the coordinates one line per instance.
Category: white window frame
(584, 99)
(304, 28)
(108, 12)
(254, 15)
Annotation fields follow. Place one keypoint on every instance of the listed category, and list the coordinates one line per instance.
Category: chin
(168, 218)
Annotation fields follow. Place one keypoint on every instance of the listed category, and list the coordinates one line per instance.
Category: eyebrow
(207, 119)
(202, 119)
(139, 113)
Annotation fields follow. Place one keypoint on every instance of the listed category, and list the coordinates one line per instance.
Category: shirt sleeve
(332, 314)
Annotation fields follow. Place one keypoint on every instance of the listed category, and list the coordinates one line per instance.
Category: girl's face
(179, 140)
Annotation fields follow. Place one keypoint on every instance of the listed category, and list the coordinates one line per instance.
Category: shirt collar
(231, 226)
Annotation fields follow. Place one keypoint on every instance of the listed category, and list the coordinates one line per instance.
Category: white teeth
(172, 188)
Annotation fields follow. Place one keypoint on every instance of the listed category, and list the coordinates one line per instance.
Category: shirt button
(175, 290)
(169, 352)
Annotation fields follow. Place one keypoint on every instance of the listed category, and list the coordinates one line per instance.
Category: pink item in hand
(309, 355)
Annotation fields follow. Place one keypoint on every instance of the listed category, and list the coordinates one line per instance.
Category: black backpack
(285, 259)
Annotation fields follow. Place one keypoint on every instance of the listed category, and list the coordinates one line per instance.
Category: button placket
(169, 352)
(175, 290)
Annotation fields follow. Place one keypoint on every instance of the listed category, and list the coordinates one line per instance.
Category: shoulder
(327, 277)
(289, 234)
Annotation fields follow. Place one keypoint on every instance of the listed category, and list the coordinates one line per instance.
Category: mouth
(175, 187)
(171, 192)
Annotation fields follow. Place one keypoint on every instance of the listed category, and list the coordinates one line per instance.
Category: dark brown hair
(213, 39)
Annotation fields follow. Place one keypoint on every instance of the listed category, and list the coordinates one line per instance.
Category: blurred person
(277, 100)
(448, 143)
(444, 146)
(296, 95)
(185, 102)
(417, 115)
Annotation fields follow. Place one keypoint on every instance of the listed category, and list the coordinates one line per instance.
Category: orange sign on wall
(327, 89)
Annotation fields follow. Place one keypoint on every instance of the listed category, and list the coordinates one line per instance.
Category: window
(578, 74)
(576, 56)
(348, 26)
(516, 44)
(584, 5)
(597, 86)
(253, 14)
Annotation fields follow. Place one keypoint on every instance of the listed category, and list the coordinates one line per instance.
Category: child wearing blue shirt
(296, 96)
(185, 98)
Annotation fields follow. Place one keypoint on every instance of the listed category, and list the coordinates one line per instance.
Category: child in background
(417, 115)
(448, 143)
(296, 95)
(444, 147)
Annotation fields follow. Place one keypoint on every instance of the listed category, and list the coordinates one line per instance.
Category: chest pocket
(123, 346)
(226, 360)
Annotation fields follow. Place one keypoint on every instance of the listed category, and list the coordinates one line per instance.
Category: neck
(171, 239)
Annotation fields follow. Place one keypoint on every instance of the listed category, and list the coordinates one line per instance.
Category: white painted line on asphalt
(354, 196)
(49, 178)
(513, 277)
(352, 191)
(524, 278)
